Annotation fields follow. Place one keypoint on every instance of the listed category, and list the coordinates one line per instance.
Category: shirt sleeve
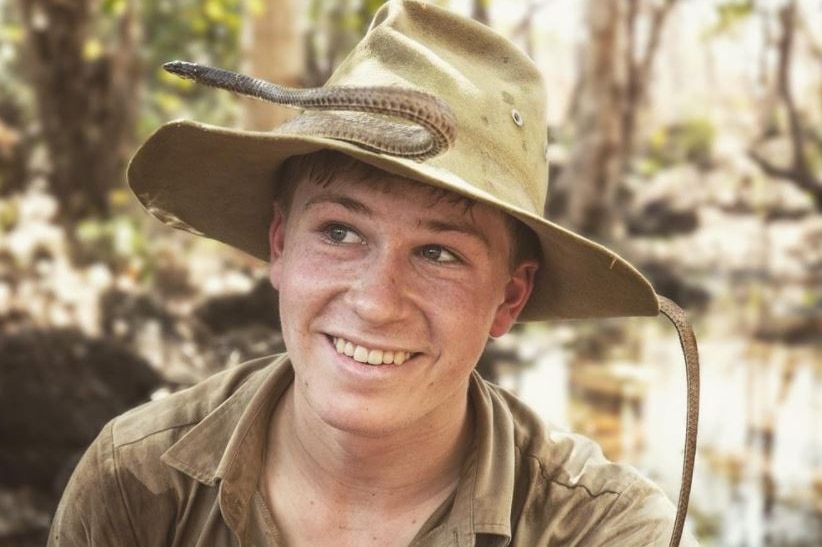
(92, 511)
(641, 516)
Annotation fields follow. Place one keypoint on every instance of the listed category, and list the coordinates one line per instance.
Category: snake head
(184, 69)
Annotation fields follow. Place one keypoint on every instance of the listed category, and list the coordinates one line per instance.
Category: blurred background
(686, 134)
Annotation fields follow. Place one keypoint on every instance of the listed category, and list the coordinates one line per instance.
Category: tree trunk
(611, 90)
(274, 52)
(86, 95)
(591, 175)
(639, 63)
(479, 12)
(523, 30)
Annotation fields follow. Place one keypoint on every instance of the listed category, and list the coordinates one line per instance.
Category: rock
(803, 327)
(57, 389)
(259, 306)
(25, 514)
(660, 218)
(665, 205)
(239, 345)
(742, 189)
(123, 314)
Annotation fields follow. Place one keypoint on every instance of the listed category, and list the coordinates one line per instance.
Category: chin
(357, 415)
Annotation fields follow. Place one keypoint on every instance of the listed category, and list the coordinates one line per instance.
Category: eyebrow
(332, 197)
(438, 226)
(459, 227)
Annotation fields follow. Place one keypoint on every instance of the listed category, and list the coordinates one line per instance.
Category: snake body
(428, 129)
(431, 131)
(687, 340)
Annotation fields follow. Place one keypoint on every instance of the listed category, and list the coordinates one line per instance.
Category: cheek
(473, 302)
(307, 280)
(464, 319)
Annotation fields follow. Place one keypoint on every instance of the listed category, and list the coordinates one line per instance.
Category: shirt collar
(485, 493)
(227, 447)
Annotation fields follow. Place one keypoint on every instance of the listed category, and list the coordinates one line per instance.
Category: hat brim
(218, 183)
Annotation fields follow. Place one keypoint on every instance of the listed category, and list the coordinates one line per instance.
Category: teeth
(375, 357)
(361, 354)
(370, 356)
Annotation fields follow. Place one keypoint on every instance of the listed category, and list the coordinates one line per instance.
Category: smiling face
(388, 293)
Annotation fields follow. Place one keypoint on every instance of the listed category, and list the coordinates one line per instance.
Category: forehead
(329, 169)
(401, 190)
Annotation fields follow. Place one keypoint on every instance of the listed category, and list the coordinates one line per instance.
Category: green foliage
(8, 216)
(814, 154)
(729, 14)
(118, 241)
(203, 31)
(689, 140)
(648, 166)
(12, 37)
(113, 7)
(334, 29)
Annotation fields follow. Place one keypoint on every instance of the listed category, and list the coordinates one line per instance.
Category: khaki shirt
(184, 471)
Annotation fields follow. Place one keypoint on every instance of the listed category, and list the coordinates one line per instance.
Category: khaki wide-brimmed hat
(218, 182)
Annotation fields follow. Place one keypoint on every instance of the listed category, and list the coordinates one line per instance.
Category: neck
(392, 471)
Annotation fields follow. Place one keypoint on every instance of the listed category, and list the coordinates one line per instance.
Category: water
(758, 475)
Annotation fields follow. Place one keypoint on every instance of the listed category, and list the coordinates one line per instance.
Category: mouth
(370, 356)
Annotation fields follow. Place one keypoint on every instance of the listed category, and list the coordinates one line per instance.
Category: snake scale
(433, 124)
(431, 131)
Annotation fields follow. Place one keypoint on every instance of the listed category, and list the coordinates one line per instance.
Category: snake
(428, 128)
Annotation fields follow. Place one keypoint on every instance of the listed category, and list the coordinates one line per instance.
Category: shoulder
(565, 485)
(174, 414)
(566, 459)
(122, 476)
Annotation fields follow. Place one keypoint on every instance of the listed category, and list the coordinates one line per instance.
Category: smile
(370, 356)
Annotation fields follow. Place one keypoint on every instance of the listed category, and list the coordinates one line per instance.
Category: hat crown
(496, 93)
(219, 182)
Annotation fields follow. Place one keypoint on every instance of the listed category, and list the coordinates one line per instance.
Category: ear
(517, 291)
(276, 244)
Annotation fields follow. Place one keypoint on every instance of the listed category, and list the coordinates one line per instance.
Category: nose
(380, 294)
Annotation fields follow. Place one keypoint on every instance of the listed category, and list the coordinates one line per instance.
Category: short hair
(321, 167)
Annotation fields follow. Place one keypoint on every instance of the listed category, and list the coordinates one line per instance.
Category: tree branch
(790, 174)
(814, 46)
(639, 67)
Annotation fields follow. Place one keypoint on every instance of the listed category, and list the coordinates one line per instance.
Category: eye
(339, 233)
(439, 254)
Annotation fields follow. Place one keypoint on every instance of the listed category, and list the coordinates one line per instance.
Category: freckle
(431, 384)
(413, 521)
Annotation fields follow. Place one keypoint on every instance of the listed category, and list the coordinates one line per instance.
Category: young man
(392, 271)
